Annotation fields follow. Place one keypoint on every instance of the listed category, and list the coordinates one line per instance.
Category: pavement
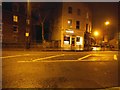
(39, 49)
(47, 49)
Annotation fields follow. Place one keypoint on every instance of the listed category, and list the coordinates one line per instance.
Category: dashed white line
(15, 56)
(85, 57)
(47, 57)
(43, 58)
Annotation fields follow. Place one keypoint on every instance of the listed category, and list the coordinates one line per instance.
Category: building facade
(71, 22)
(65, 25)
(13, 24)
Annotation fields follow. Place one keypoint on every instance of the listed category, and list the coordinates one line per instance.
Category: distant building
(13, 23)
(70, 23)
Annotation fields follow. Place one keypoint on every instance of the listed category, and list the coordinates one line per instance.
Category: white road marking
(115, 57)
(49, 61)
(47, 57)
(43, 58)
(85, 57)
(15, 56)
(80, 59)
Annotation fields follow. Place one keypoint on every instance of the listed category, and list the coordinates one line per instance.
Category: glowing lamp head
(107, 23)
(96, 33)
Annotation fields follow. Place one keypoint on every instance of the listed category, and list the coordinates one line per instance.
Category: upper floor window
(70, 10)
(77, 24)
(15, 18)
(15, 29)
(78, 11)
(15, 8)
(69, 23)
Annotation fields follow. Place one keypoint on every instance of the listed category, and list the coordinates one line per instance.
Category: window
(15, 8)
(70, 10)
(77, 39)
(15, 28)
(15, 18)
(69, 23)
(66, 40)
(77, 24)
(78, 11)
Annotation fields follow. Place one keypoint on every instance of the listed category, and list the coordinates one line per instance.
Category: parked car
(96, 48)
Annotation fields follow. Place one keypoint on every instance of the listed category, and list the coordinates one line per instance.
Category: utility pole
(27, 34)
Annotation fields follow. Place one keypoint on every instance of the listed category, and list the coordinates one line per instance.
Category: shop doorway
(73, 41)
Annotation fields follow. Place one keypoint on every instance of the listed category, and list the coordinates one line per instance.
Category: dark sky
(103, 11)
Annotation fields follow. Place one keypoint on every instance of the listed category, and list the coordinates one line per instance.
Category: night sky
(103, 11)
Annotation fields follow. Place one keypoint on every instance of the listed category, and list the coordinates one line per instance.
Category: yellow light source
(96, 33)
(107, 23)
(69, 22)
(68, 31)
(26, 34)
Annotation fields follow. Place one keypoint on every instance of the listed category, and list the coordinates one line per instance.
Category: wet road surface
(32, 69)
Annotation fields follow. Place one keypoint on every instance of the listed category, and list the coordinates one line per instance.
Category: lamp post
(105, 39)
(96, 34)
(27, 34)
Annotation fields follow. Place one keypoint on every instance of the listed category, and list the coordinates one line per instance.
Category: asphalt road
(34, 69)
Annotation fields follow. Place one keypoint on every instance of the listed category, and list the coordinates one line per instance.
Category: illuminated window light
(80, 42)
(66, 42)
(15, 18)
(26, 34)
(69, 31)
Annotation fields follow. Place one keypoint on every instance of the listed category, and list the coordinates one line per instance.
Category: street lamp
(107, 23)
(105, 39)
(96, 34)
(27, 34)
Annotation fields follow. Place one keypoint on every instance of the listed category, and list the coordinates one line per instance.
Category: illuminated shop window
(79, 40)
(66, 40)
(15, 18)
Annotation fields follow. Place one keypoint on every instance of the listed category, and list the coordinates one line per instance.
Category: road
(36, 69)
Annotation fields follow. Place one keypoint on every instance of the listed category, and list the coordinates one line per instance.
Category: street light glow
(96, 33)
(107, 23)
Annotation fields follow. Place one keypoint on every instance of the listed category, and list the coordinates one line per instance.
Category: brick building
(70, 23)
(13, 24)
(65, 26)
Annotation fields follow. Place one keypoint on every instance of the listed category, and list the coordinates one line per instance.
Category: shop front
(71, 40)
